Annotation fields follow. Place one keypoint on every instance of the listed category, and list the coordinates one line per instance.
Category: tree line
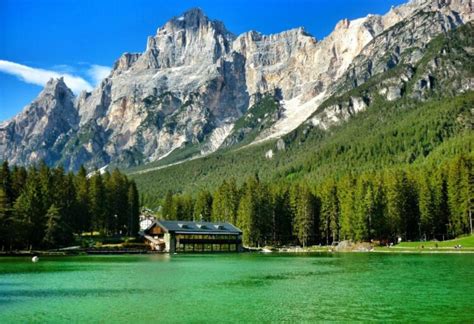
(43, 207)
(421, 203)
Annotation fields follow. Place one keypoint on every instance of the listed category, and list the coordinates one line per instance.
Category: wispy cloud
(41, 76)
(98, 73)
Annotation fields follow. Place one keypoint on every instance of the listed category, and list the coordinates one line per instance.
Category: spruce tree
(203, 206)
(6, 221)
(329, 212)
(133, 209)
(30, 210)
(304, 221)
(57, 232)
(82, 214)
(168, 206)
(98, 204)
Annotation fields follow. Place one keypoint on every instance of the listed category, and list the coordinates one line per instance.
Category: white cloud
(41, 76)
(98, 73)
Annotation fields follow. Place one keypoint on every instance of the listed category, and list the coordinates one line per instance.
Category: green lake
(238, 288)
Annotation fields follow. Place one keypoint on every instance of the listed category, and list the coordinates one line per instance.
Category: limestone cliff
(196, 79)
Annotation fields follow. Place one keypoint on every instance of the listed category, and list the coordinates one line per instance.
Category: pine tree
(168, 206)
(378, 228)
(6, 221)
(440, 196)
(427, 205)
(304, 221)
(347, 200)
(203, 206)
(57, 232)
(402, 205)
(329, 212)
(46, 181)
(117, 192)
(282, 216)
(460, 193)
(133, 209)
(30, 210)
(6, 183)
(19, 176)
(247, 216)
(82, 214)
(188, 207)
(98, 203)
(364, 201)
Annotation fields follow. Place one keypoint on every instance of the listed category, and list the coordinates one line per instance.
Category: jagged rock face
(196, 79)
(183, 86)
(40, 130)
(424, 71)
(178, 41)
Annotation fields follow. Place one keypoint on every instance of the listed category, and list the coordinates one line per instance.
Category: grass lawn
(464, 241)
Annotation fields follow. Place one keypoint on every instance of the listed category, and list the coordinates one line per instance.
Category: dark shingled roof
(198, 227)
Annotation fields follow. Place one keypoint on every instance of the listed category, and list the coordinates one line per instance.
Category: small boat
(34, 259)
(265, 250)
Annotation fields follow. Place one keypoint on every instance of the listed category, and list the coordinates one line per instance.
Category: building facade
(186, 236)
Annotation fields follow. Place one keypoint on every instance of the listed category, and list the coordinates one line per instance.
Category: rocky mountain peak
(192, 18)
(196, 79)
(56, 87)
(38, 131)
(177, 42)
(56, 95)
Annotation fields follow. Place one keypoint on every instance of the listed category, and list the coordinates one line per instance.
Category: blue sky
(82, 39)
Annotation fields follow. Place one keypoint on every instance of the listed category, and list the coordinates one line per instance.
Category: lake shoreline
(295, 252)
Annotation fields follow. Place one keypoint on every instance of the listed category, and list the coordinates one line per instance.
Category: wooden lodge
(186, 236)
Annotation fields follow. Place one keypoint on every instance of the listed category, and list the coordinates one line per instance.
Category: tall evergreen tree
(168, 206)
(329, 223)
(57, 232)
(347, 200)
(30, 210)
(460, 194)
(203, 206)
(304, 221)
(133, 209)
(82, 214)
(98, 203)
(282, 216)
(6, 182)
(6, 221)
(247, 214)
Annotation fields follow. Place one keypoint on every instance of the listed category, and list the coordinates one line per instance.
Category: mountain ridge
(168, 98)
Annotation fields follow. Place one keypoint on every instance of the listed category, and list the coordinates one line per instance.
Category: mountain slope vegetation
(403, 132)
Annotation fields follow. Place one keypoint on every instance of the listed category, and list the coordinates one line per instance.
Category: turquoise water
(238, 288)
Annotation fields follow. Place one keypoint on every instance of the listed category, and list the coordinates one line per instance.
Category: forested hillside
(401, 167)
(383, 137)
(422, 202)
(425, 125)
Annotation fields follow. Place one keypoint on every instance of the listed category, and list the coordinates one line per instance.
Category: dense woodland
(44, 207)
(414, 204)
(387, 135)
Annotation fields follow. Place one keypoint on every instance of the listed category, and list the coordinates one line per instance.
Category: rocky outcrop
(40, 131)
(404, 54)
(196, 81)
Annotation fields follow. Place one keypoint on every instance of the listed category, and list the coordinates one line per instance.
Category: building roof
(198, 227)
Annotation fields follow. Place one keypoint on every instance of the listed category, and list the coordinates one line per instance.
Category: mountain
(359, 129)
(39, 132)
(198, 88)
